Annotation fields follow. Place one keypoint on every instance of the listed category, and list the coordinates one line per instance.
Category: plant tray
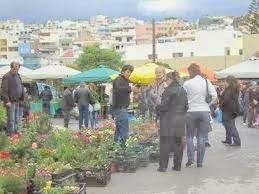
(82, 189)
(62, 174)
(130, 164)
(94, 177)
(70, 177)
(143, 159)
(127, 163)
(154, 157)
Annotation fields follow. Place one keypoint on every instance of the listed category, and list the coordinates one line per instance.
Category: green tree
(252, 17)
(165, 65)
(93, 56)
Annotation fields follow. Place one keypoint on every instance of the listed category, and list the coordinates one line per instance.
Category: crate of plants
(94, 177)
(61, 174)
(130, 163)
(143, 158)
(70, 187)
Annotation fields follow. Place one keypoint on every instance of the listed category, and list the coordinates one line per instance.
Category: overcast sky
(42, 10)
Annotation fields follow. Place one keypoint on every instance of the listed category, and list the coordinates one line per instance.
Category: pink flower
(42, 136)
(34, 145)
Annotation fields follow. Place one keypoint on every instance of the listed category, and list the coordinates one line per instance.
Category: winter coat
(9, 88)
(121, 93)
(172, 109)
(157, 91)
(68, 101)
(229, 104)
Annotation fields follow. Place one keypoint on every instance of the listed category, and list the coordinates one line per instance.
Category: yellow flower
(47, 188)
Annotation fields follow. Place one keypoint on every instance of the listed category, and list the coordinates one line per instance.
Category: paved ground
(226, 170)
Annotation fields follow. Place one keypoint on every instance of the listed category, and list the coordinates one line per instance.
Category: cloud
(162, 6)
(190, 7)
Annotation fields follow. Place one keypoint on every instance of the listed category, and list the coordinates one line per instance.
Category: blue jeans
(13, 117)
(83, 116)
(199, 120)
(231, 132)
(122, 125)
(94, 118)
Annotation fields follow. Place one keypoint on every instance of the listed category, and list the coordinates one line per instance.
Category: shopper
(68, 104)
(82, 98)
(46, 97)
(121, 100)
(201, 93)
(12, 95)
(230, 108)
(158, 88)
(172, 111)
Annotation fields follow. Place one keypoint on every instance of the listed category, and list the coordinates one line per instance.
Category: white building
(205, 43)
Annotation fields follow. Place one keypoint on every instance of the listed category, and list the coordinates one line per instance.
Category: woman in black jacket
(172, 123)
(230, 108)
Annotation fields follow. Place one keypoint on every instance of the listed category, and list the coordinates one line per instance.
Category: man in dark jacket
(121, 100)
(68, 104)
(174, 105)
(46, 97)
(82, 98)
(12, 94)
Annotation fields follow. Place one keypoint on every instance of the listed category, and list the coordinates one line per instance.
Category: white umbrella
(245, 70)
(53, 72)
(24, 72)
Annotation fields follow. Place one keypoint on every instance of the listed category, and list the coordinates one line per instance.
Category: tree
(93, 56)
(252, 17)
(165, 65)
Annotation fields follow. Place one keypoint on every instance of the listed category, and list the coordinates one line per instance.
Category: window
(177, 55)
(13, 49)
(129, 39)
(151, 56)
(3, 49)
(192, 54)
(118, 39)
(240, 51)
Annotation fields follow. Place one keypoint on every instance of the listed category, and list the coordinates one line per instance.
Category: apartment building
(200, 43)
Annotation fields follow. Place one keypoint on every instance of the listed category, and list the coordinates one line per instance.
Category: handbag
(208, 97)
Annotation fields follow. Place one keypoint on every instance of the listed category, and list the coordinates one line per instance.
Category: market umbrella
(24, 72)
(246, 70)
(210, 74)
(145, 73)
(53, 72)
(99, 74)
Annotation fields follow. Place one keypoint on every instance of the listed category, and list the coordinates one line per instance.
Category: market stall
(209, 73)
(99, 74)
(24, 72)
(145, 73)
(246, 70)
(52, 72)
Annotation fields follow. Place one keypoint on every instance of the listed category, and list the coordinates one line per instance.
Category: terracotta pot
(113, 168)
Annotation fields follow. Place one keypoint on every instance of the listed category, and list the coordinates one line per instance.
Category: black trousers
(66, 114)
(167, 144)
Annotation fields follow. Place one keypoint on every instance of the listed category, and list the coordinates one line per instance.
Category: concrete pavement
(226, 170)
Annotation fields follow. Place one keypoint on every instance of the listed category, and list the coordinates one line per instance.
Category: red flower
(4, 155)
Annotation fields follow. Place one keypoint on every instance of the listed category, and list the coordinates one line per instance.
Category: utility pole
(153, 41)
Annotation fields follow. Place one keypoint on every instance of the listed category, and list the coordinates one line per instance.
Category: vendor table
(37, 107)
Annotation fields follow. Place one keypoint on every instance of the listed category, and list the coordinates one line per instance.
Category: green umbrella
(99, 74)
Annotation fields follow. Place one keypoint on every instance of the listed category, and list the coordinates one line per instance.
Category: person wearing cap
(172, 109)
(198, 115)
(12, 95)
